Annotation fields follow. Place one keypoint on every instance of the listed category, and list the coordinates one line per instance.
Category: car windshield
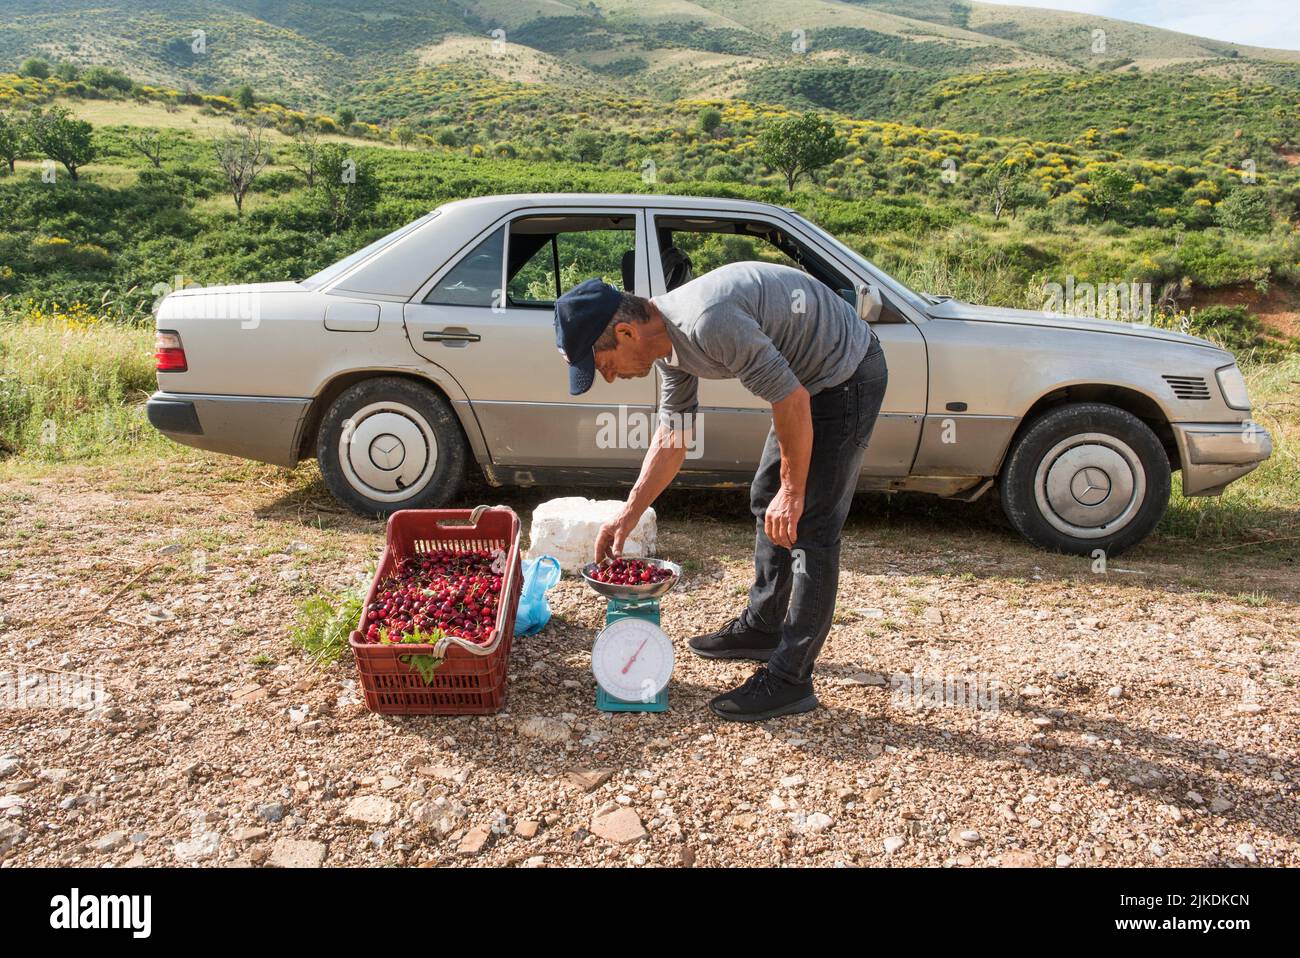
(919, 299)
(335, 270)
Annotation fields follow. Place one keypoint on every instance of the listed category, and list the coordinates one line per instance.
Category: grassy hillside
(313, 53)
(1071, 35)
(1182, 173)
(126, 226)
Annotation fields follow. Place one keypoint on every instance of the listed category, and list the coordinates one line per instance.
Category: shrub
(1234, 328)
(1212, 261)
(1244, 210)
(105, 79)
(35, 67)
(64, 252)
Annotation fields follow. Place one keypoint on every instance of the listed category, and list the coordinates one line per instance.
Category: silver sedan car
(433, 348)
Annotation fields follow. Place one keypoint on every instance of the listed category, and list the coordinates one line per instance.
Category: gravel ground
(1144, 715)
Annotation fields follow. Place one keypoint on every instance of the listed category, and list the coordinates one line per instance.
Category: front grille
(1188, 387)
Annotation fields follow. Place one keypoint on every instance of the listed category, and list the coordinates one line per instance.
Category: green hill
(987, 151)
(316, 53)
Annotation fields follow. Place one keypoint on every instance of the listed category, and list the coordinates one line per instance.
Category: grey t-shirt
(772, 327)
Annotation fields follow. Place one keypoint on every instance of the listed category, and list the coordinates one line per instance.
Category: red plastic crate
(472, 678)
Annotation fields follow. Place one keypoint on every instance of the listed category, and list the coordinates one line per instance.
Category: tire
(386, 444)
(1085, 476)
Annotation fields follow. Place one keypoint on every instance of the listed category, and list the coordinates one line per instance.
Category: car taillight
(168, 353)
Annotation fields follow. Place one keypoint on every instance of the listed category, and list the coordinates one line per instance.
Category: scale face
(632, 660)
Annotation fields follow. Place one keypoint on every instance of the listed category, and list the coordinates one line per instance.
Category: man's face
(631, 358)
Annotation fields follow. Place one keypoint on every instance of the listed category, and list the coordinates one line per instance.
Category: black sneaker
(764, 696)
(736, 641)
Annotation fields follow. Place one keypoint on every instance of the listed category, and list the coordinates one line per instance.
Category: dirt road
(1141, 715)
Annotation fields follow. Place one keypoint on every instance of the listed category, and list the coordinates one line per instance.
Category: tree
(67, 71)
(304, 155)
(241, 155)
(1110, 190)
(710, 119)
(1244, 210)
(799, 145)
(586, 147)
(62, 138)
(1005, 186)
(245, 97)
(347, 117)
(149, 143)
(12, 139)
(35, 67)
(345, 187)
(404, 135)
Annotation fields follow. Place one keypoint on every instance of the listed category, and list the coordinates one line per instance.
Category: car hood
(955, 309)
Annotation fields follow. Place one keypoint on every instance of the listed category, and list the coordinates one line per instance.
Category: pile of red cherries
(624, 571)
(455, 593)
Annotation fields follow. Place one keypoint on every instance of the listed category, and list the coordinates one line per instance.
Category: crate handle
(475, 515)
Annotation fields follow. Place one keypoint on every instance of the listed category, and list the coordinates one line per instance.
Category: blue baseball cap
(581, 315)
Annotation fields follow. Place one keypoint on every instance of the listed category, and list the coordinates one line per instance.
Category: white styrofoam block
(567, 528)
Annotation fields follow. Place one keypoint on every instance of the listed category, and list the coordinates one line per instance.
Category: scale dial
(632, 660)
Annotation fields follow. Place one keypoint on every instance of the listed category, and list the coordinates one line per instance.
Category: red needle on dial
(634, 655)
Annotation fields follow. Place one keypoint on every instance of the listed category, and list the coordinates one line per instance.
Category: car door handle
(452, 336)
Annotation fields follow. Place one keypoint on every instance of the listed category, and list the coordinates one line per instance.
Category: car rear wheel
(387, 444)
(1083, 477)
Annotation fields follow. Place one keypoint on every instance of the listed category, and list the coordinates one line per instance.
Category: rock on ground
(292, 853)
(371, 809)
(620, 825)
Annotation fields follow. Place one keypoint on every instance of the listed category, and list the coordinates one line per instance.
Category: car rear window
(476, 279)
(334, 271)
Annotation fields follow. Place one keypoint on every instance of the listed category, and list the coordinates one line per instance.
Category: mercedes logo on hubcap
(387, 452)
(1090, 486)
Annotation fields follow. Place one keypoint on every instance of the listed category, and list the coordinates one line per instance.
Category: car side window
(476, 279)
(534, 283)
(549, 255)
(706, 246)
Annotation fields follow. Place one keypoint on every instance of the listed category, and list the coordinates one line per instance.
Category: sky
(1261, 23)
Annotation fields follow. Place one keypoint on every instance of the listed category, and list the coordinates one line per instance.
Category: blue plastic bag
(540, 575)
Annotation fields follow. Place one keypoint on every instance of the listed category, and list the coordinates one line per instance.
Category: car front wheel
(387, 444)
(1083, 477)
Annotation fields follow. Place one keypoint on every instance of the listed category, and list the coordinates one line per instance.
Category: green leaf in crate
(426, 665)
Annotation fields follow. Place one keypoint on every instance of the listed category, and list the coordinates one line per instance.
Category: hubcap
(387, 451)
(1090, 486)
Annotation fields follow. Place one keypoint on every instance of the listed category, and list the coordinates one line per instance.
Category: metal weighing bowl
(651, 590)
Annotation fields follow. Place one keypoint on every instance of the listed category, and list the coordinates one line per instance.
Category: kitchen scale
(632, 659)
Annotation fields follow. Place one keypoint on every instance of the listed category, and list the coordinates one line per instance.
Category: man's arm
(792, 419)
(662, 462)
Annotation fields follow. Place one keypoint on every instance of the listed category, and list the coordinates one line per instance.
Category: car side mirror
(869, 303)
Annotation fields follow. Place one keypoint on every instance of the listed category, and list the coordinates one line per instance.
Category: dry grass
(71, 386)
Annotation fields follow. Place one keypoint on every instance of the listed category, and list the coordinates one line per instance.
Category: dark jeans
(794, 589)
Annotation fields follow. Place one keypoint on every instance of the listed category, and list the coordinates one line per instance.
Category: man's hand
(781, 522)
(612, 536)
(662, 460)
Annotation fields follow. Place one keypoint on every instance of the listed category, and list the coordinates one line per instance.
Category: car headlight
(1233, 386)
